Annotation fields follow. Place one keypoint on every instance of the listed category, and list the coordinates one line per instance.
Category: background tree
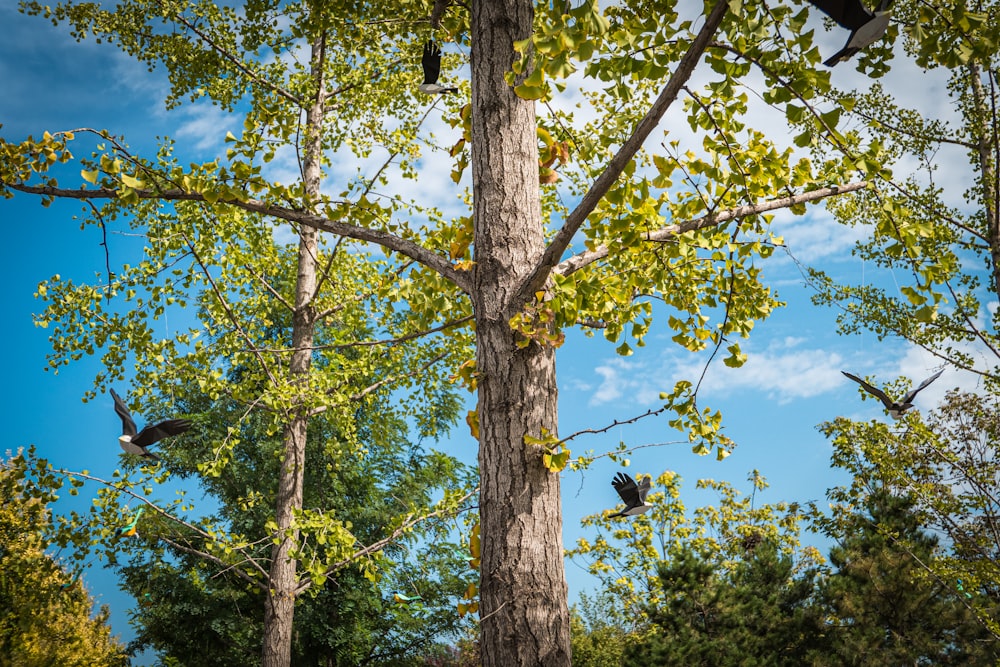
(887, 608)
(715, 538)
(199, 616)
(759, 612)
(598, 636)
(45, 611)
(945, 464)
(683, 224)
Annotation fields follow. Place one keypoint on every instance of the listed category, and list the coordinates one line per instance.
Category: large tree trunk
(523, 607)
(279, 610)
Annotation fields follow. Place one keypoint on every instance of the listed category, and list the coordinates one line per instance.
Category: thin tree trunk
(279, 610)
(523, 608)
(986, 140)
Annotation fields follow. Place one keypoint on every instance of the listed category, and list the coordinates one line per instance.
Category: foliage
(887, 607)
(45, 611)
(759, 612)
(316, 85)
(946, 465)
(627, 561)
(187, 605)
(939, 241)
(598, 637)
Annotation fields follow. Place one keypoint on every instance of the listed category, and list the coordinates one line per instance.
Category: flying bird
(866, 26)
(399, 598)
(131, 529)
(138, 443)
(634, 495)
(896, 409)
(432, 70)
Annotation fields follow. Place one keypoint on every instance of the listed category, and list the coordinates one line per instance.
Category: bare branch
(588, 257)
(536, 280)
(262, 585)
(605, 429)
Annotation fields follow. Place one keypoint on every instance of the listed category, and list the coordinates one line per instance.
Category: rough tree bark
(279, 609)
(523, 607)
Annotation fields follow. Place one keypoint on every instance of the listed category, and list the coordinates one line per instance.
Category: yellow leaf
(90, 176)
(131, 181)
(472, 419)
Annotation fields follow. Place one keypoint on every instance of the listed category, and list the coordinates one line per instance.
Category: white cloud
(206, 125)
(780, 372)
(622, 378)
(816, 235)
(783, 371)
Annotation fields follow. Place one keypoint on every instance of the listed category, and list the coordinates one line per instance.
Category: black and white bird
(138, 442)
(432, 70)
(866, 26)
(633, 494)
(895, 408)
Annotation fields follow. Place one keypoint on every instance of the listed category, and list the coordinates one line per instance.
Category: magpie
(432, 70)
(633, 495)
(865, 25)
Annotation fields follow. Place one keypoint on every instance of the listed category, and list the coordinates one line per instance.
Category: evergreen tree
(889, 610)
(758, 613)
(197, 613)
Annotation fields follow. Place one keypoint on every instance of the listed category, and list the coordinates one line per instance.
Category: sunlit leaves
(625, 553)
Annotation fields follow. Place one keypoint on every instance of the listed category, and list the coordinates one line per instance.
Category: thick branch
(388, 241)
(607, 179)
(579, 261)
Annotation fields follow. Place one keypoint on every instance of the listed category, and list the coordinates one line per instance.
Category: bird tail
(844, 54)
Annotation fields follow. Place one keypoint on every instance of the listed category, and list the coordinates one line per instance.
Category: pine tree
(889, 610)
(759, 613)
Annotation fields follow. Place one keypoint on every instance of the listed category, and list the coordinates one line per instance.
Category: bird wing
(643, 489)
(874, 391)
(431, 62)
(913, 392)
(627, 489)
(151, 434)
(128, 424)
(850, 14)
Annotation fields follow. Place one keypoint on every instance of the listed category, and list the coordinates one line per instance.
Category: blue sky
(771, 406)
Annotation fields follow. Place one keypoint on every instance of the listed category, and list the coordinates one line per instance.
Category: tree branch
(380, 544)
(536, 280)
(281, 92)
(170, 517)
(579, 261)
(388, 241)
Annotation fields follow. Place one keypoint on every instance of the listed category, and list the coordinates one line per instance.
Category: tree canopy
(45, 610)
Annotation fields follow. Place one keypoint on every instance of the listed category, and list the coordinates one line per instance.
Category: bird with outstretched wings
(137, 442)
(866, 26)
(431, 62)
(633, 495)
(895, 408)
